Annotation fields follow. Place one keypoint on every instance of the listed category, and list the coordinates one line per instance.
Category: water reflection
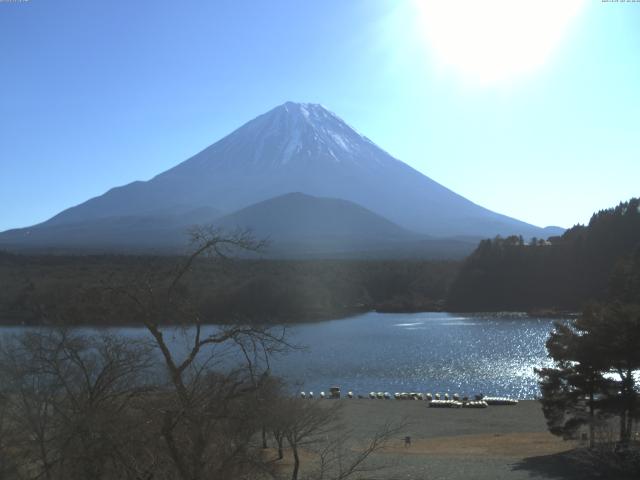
(422, 352)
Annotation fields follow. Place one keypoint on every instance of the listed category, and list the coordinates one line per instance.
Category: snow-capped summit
(297, 147)
(292, 135)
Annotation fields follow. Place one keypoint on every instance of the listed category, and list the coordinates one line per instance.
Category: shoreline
(312, 319)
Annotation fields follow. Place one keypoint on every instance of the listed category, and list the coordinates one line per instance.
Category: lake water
(420, 352)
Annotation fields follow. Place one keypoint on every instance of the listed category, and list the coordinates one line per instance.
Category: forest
(587, 263)
(78, 289)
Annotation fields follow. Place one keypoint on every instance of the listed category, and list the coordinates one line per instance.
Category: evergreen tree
(595, 357)
(570, 389)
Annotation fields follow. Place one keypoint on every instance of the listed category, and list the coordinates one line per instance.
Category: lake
(423, 352)
(419, 352)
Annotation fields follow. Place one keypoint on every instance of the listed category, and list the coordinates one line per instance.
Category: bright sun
(493, 41)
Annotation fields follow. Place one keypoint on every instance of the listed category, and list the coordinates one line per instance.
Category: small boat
(475, 404)
(500, 401)
(445, 404)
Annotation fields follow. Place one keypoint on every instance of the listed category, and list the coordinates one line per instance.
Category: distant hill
(296, 216)
(587, 263)
(295, 147)
(300, 225)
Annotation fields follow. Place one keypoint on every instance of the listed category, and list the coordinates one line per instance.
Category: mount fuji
(294, 148)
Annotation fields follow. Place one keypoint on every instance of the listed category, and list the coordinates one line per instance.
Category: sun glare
(494, 41)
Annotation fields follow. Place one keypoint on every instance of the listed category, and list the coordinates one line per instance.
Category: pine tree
(595, 357)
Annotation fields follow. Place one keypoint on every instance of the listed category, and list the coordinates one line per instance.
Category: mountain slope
(299, 148)
(154, 232)
(295, 225)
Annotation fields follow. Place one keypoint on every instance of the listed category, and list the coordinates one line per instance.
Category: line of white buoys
(436, 400)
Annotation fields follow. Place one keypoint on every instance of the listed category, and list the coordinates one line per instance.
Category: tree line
(560, 273)
(71, 289)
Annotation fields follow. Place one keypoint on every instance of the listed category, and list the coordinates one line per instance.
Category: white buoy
(350, 394)
(321, 394)
(310, 394)
(303, 395)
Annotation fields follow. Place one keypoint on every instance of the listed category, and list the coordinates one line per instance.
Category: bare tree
(68, 401)
(342, 457)
(205, 429)
(306, 421)
(332, 452)
(76, 406)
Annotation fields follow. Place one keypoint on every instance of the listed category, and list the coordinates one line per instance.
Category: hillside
(587, 263)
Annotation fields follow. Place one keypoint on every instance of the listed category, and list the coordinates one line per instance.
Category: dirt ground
(499, 442)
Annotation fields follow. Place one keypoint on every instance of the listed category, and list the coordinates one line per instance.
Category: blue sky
(98, 94)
